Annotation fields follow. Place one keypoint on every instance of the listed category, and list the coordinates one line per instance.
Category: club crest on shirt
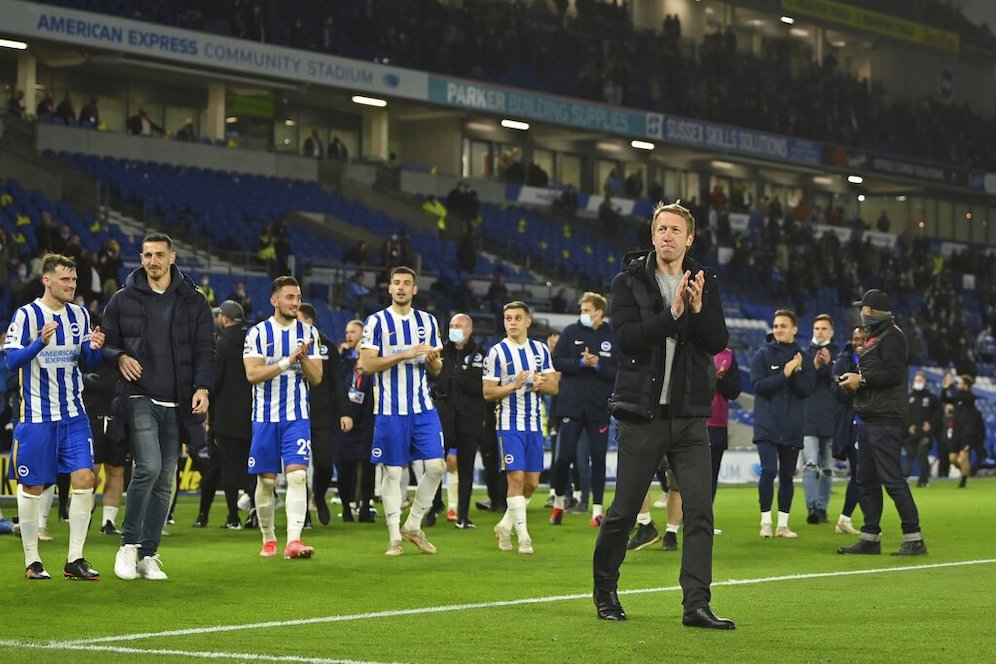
(606, 345)
(75, 329)
(421, 333)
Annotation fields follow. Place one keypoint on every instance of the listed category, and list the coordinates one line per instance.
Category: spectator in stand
(65, 111)
(207, 290)
(818, 423)
(186, 133)
(727, 389)
(392, 252)
(633, 184)
(141, 125)
(467, 250)
(558, 303)
(16, 105)
(498, 294)
(782, 379)
(47, 237)
(924, 420)
(462, 205)
(609, 220)
(612, 186)
(313, 145)
(90, 114)
(566, 205)
(109, 266)
(358, 254)
(969, 432)
(337, 149)
(241, 296)
(357, 297)
(46, 107)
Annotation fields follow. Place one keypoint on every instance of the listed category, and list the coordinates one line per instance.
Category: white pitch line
(498, 604)
(241, 656)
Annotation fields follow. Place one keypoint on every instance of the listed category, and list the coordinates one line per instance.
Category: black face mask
(871, 321)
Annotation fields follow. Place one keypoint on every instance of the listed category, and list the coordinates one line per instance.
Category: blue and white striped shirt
(284, 397)
(404, 388)
(521, 410)
(51, 386)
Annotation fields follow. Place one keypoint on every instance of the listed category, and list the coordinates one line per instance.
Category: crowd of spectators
(593, 51)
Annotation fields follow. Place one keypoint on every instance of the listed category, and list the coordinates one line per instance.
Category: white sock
(517, 508)
(80, 506)
(390, 495)
(672, 528)
(643, 518)
(27, 513)
(596, 509)
(452, 489)
(766, 518)
(296, 503)
(425, 492)
(264, 507)
(558, 502)
(783, 520)
(110, 514)
(506, 522)
(553, 492)
(45, 506)
(2, 517)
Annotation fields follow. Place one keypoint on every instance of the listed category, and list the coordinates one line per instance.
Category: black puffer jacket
(882, 398)
(641, 325)
(845, 431)
(192, 336)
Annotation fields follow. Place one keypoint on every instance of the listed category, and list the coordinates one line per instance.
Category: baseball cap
(232, 309)
(875, 299)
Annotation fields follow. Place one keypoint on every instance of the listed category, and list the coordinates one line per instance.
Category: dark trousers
(917, 449)
(853, 492)
(642, 447)
(466, 454)
(207, 464)
(776, 461)
(878, 466)
(233, 455)
(321, 461)
(356, 483)
(568, 436)
(719, 440)
(493, 477)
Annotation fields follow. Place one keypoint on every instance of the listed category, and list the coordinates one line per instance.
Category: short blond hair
(674, 208)
(596, 300)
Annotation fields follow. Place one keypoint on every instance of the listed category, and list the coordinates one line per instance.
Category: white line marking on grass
(241, 656)
(503, 603)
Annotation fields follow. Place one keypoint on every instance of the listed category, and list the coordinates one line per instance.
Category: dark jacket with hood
(882, 398)
(641, 324)
(231, 400)
(969, 426)
(819, 408)
(779, 401)
(128, 323)
(845, 432)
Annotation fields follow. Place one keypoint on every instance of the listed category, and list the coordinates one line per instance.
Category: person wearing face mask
(818, 423)
(845, 435)
(206, 290)
(587, 358)
(783, 377)
(924, 419)
(880, 399)
(460, 401)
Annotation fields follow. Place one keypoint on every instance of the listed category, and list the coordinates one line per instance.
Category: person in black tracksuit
(327, 410)
(351, 449)
(587, 358)
(969, 431)
(845, 433)
(880, 399)
(783, 377)
(923, 421)
(231, 412)
(667, 318)
(459, 398)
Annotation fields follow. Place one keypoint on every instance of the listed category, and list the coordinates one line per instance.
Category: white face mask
(456, 335)
(825, 342)
(918, 386)
(585, 320)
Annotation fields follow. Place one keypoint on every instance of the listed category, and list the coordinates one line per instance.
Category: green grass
(217, 578)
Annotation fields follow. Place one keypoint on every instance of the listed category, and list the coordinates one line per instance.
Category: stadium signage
(198, 49)
(862, 161)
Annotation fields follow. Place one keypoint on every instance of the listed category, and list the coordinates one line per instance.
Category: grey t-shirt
(667, 284)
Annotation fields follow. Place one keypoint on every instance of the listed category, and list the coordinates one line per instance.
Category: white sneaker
(43, 535)
(126, 561)
(765, 530)
(245, 503)
(786, 533)
(394, 549)
(150, 568)
(660, 503)
(844, 527)
(504, 536)
(526, 546)
(717, 531)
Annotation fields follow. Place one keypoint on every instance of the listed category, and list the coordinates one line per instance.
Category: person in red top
(727, 389)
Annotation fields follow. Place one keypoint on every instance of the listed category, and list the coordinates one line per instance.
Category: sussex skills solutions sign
(33, 21)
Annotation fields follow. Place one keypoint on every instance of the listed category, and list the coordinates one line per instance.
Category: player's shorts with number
(273, 442)
(42, 450)
(521, 450)
(400, 439)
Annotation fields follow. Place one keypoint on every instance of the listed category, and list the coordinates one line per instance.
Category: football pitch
(793, 600)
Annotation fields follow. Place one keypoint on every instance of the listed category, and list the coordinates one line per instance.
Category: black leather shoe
(484, 505)
(704, 617)
(813, 517)
(862, 546)
(915, 548)
(607, 604)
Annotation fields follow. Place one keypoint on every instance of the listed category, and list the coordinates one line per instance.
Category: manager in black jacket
(160, 334)
(231, 410)
(880, 400)
(667, 319)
